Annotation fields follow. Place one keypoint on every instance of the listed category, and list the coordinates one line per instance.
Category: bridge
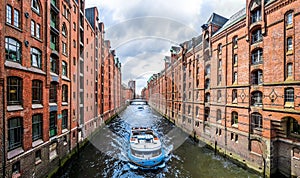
(138, 102)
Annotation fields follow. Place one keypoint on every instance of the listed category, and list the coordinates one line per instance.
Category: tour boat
(145, 149)
(140, 108)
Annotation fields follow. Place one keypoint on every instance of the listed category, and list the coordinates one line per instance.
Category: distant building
(131, 85)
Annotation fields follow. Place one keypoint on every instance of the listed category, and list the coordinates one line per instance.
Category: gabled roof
(233, 20)
(217, 20)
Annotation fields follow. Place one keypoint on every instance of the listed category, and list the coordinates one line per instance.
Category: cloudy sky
(142, 31)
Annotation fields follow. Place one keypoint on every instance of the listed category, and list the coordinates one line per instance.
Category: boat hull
(147, 162)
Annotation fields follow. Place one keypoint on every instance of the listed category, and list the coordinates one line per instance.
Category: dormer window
(35, 6)
(255, 11)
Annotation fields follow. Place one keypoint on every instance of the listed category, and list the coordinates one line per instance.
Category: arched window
(257, 77)
(234, 96)
(207, 97)
(53, 64)
(257, 56)
(206, 113)
(14, 91)
(197, 110)
(65, 93)
(256, 121)
(13, 50)
(64, 30)
(234, 118)
(256, 98)
(220, 48)
(37, 92)
(289, 19)
(64, 68)
(207, 84)
(256, 36)
(235, 41)
(64, 123)
(53, 92)
(235, 60)
(293, 126)
(235, 77)
(36, 58)
(219, 115)
(35, 6)
(219, 96)
(255, 10)
(207, 70)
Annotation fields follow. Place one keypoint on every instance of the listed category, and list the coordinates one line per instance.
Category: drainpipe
(226, 60)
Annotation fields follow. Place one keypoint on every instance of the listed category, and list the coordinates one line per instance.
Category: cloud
(142, 31)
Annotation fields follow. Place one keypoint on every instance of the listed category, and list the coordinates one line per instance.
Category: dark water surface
(106, 153)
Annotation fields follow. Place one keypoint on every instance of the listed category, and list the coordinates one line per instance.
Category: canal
(106, 153)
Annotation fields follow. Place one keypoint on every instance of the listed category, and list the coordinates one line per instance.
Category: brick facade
(51, 83)
(236, 86)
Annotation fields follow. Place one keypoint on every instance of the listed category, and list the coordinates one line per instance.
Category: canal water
(106, 153)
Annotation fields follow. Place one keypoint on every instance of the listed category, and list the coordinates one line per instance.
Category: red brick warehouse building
(237, 87)
(51, 82)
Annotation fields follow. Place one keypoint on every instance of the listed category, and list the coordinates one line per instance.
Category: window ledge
(53, 155)
(38, 162)
(16, 175)
(64, 130)
(53, 74)
(290, 78)
(52, 104)
(12, 26)
(14, 108)
(14, 152)
(14, 65)
(289, 26)
(37, 106)
(64, 103)
(289, 52)
(65, 78)
(289, 104)
(36, 70)
(235, 125)
(37, 142)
